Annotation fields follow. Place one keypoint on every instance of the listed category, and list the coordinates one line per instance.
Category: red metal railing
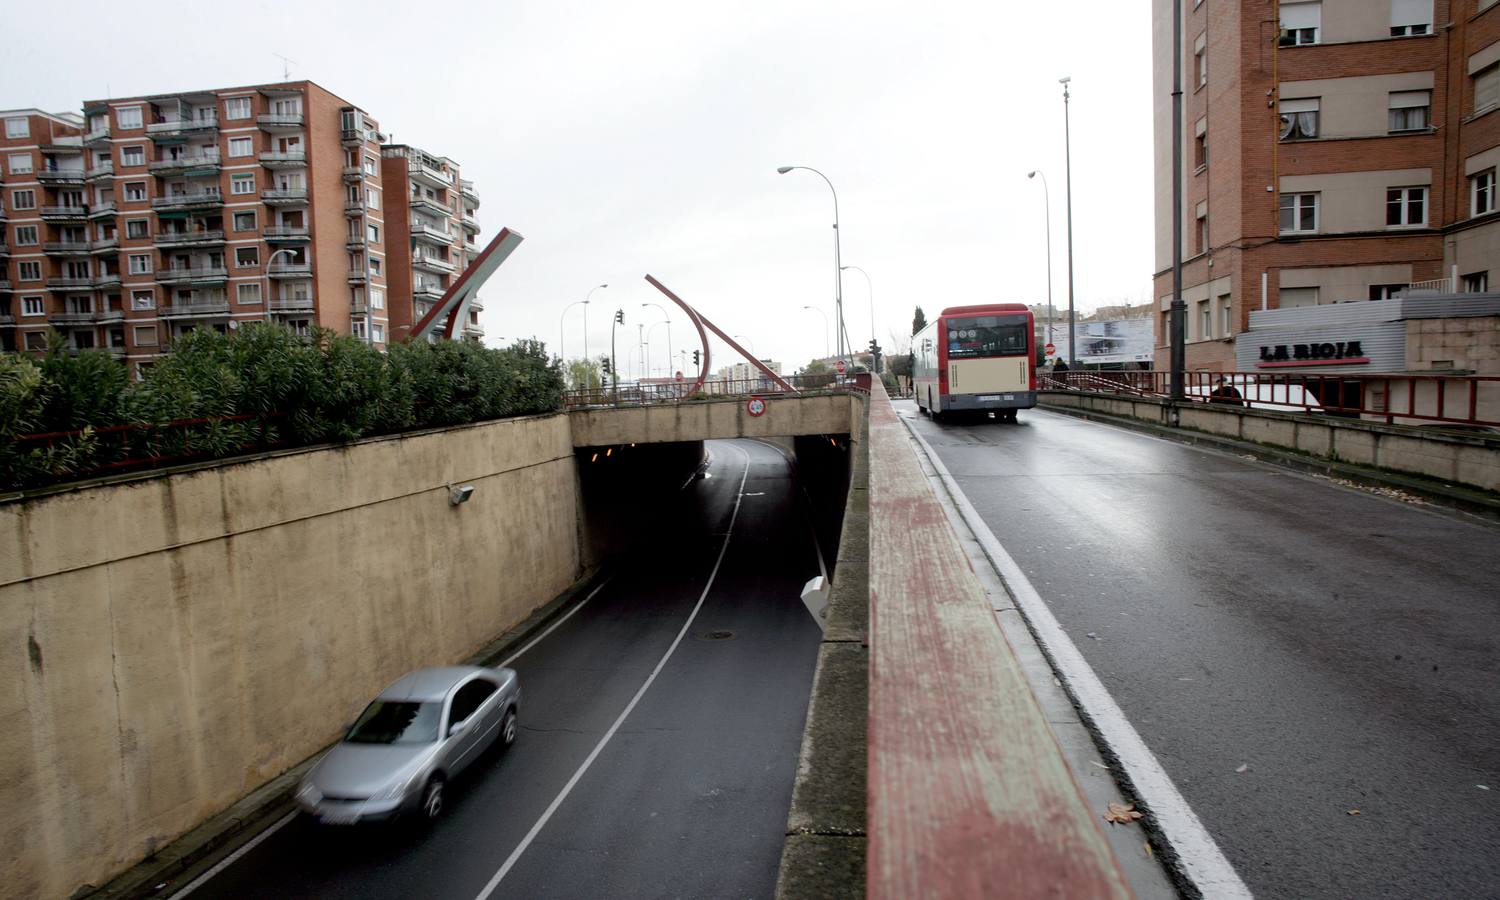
(1471, 401)
(638, 393)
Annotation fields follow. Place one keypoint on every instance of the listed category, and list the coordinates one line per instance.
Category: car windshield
(981, 336)
(396, 722)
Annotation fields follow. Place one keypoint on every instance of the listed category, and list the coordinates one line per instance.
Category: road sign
(839, 367)
(1051, 349)
(678, 375)
(756, 406)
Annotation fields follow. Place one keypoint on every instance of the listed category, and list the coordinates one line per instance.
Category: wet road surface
(1342, 646)
(688, 799)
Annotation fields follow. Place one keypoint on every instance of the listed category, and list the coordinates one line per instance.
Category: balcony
(432, 264)
(431, 206)
(105, 245)
(7, 320)
(197, 163)
(275, 122)
(358, 276)
(354, 207)
(200, 238)
(107, 280)
(97, 136)
(359, 307)
(356, 242)
(100, 210)
(4, 285)
(275, 235)
(66, 248)
(469, 224)
(290, 270)
(193, 275)
(188, 201)
(200, 310)
(353, 174)
(429, 291)
(352, 137)
(64, 213)
(4, 248)
(103, 170)
(474, 328)
(425, 174)
(110, 316)
(70, 284)
(73, 317)
(293, 160)
(60, 176)
(285, 198)
(424, 232)
(466, 188)
(291, 304)
(181, 129)
(69, 144)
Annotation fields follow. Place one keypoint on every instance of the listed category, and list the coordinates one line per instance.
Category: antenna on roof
(286, 66)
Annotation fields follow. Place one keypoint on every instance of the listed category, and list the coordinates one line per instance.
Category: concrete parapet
(701, 420)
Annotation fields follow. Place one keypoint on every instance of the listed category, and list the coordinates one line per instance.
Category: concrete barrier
(701, 420)
(173, 641)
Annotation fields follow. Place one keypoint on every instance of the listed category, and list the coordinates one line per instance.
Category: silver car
(413, 737)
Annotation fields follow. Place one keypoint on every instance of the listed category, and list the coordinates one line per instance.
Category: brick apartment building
(149, 216)
(1334, 150)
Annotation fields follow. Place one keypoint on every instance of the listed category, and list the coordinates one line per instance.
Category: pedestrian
(1060, 366)
(1226, 394)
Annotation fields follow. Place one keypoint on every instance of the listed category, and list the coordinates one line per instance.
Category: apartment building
(150, 216)
(1334, 151)
(432, 232)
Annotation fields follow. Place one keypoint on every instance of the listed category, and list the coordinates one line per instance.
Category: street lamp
(838, 264)
(560, 333)
(267, 278)
(825, 326)
(1047, 199)
(669, 329)
(741, 337)
(649, 331)
(870, 287)
(1068, 157)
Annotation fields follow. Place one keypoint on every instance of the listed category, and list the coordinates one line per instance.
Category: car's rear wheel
(509, 728)
(432, 798)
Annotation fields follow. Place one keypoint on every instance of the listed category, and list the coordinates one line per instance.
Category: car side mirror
(457, 727)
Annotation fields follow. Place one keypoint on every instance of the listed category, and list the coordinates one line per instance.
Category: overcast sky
(628, 138)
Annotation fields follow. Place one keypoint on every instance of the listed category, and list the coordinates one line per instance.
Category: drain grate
(719, 635)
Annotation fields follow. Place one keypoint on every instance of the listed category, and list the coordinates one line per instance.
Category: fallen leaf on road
(1122, 813)
(1244, 767)
(1149, 851)
(1103, 766)
(1482, 787)
(1353, 812)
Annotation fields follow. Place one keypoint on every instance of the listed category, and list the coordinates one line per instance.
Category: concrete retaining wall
(170, 643)
(1459, 459)
(707, 419)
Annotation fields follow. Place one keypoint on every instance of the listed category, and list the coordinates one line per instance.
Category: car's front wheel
(509, 728)
(432, 798)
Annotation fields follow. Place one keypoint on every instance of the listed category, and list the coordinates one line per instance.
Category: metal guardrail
(1471, 401)
(637, 393)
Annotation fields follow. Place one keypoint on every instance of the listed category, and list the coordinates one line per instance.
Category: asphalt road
(1339, 644)
(687, 799)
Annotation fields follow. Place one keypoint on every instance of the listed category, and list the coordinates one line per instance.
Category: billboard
(1105, 343)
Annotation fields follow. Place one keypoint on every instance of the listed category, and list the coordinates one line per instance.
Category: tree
(918, 321)
(583, 374)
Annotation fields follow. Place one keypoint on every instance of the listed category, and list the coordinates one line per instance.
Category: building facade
(1333, 151)
(150, 216)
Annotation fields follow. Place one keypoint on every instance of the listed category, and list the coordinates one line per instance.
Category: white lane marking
(562, 795)
(811, 525)
(229, 860)
(553, 627)
(1199, 858)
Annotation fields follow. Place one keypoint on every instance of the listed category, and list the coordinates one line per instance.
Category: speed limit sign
(756, 406)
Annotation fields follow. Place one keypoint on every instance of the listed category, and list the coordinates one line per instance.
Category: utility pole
(1178, 331)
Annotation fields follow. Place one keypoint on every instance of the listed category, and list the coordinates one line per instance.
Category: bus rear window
(981, 336)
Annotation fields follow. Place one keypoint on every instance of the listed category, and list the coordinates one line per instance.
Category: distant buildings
(149, 216)
(1342, 150)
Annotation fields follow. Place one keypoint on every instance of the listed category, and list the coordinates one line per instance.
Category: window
(18, 127)
(1386, 291)
(1299, 213)
(140, 263)
(372, 198)
(33, 306)
(377, 298)
(374, 233)
(246, 257)
(26, 236)
(29, 270)
(132, 156)
(242, 184)
(1226, 315)
(1411, 17)
(1300, 23)
(1406, 206)
(1292, 298)
(1299, 118)
(1476, 282)
(1205, 320)
(469, 698)
(241, 146)
(1482, 193)
(135, 191)
(247, 293)
(128, 117)
(23, 199)
(142, 300)
(1200, 146)
(370, 165)
(244, 221)
(1487, 87)
(374, 267)
(137, 228)
(1200, 60)
(1410, 110)
(145, 335)
(358, 328)
(237, 108)
(289, 106)
(20, 164)
(377, 333)
(1203, 232)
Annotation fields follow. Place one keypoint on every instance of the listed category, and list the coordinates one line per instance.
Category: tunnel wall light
(460, 494)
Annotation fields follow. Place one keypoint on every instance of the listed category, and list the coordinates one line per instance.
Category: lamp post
(267, 277)
(668, 319)
(741, 337)
(870, 288)
(651, 330)
(838, 264)
(825, 326)
(1068, 157)
(560, 332)
(1047, 199)
(1178, 329)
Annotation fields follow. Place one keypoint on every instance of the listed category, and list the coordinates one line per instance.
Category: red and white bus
(976, 359)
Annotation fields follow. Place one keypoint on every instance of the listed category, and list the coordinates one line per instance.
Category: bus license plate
(988, 398)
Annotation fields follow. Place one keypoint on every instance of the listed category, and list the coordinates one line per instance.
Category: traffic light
(874, 356)
(696, 356)
(620, 316)
(604, 363)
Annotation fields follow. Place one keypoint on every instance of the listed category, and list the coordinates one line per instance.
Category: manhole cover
(716, 635)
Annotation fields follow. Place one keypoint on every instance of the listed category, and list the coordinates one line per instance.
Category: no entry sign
(756, 406)
(839, 367)
(1051, 349)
